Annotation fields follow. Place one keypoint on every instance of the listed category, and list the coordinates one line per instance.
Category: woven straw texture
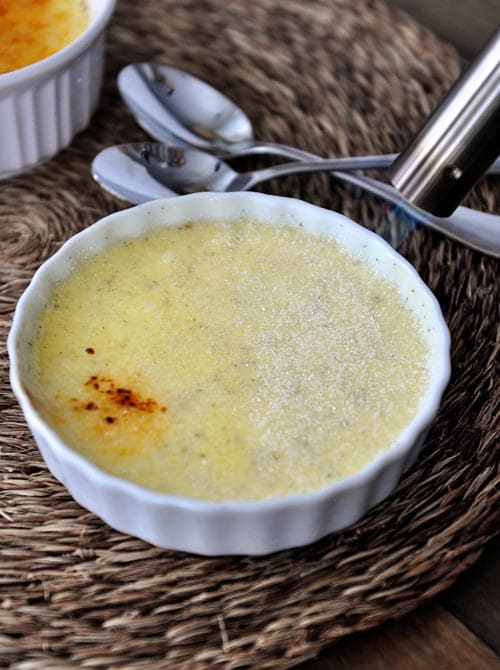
(333, 77)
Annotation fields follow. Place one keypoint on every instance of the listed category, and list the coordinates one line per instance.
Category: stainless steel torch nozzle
(459, 141)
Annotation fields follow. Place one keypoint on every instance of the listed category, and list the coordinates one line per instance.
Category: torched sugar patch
(228, 361)
(35, 29)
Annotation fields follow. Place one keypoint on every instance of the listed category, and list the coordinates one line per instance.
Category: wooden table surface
(459, 630)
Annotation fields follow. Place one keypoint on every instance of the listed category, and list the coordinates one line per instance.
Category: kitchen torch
(459, 141)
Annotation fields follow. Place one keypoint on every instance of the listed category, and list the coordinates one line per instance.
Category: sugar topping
(281, 363)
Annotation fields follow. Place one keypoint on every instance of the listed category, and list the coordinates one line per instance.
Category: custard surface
(228, 361)
(34, 29)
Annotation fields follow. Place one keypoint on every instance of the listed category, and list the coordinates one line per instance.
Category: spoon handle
(475, 229)
(377, 162)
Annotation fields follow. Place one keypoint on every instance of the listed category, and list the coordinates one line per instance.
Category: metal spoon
(176, 107)
(142, 171)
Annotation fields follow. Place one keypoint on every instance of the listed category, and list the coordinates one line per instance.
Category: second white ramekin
(44, 105)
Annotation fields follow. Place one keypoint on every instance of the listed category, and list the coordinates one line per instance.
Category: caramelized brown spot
(90, 350)
(112, 396)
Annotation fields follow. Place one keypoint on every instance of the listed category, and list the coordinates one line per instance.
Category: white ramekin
(44, 105)
(213, 528)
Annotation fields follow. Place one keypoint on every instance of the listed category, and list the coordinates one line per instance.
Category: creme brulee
(34, 29)
(223, 361)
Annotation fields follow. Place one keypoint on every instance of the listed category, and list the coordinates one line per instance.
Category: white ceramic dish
(229, 527)
(44, 105)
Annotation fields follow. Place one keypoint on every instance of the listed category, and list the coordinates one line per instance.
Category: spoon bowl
(166, 103)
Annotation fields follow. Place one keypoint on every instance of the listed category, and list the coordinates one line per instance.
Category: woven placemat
(334, 77)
